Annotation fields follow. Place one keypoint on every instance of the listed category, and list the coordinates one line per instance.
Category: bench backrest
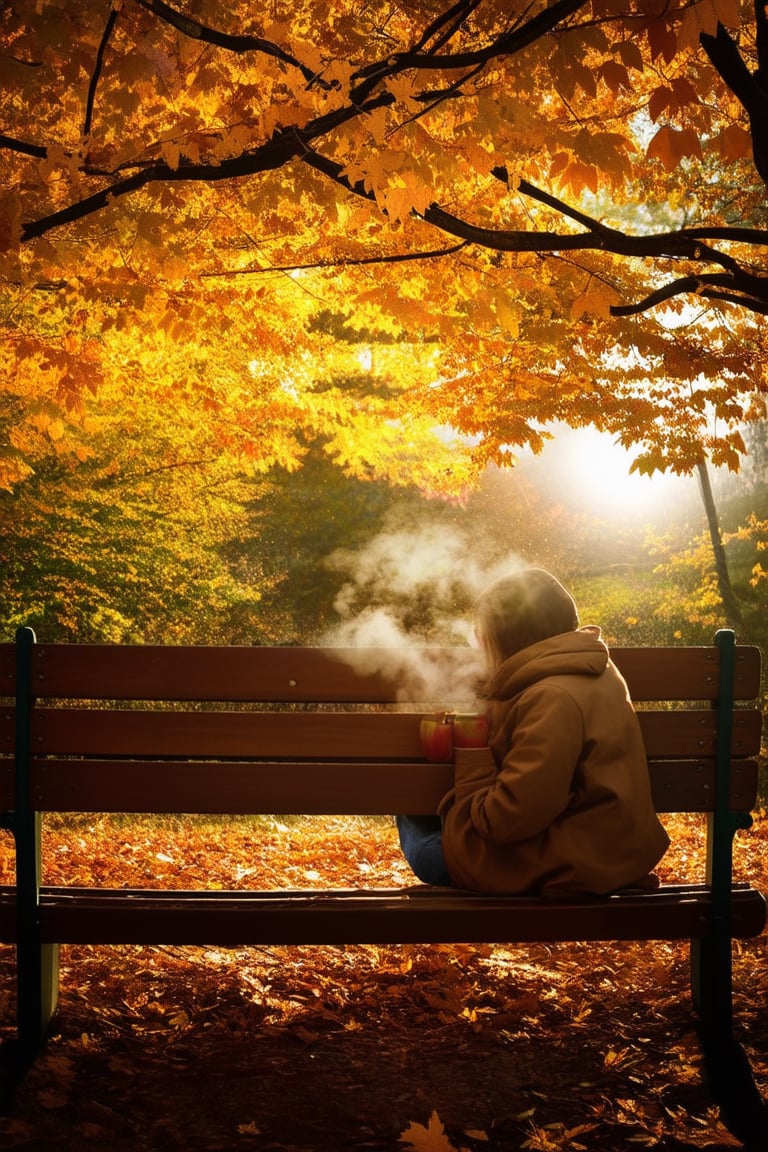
(114, 728)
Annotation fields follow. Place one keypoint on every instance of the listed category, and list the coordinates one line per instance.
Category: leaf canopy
(510, 214)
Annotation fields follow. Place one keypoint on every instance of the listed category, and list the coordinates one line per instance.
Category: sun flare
(594, 473)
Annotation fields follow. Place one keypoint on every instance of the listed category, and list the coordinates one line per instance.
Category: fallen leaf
(429, 1139)
(248, 1129)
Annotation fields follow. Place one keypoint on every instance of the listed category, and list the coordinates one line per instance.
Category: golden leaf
(431, 1138)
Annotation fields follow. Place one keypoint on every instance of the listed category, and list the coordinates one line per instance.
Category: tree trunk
(725, 588)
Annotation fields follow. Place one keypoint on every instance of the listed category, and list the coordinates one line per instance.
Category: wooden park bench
(100, 728)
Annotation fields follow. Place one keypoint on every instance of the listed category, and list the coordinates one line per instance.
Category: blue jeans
(421, 839)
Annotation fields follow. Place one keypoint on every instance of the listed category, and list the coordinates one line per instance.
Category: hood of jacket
(579, 653)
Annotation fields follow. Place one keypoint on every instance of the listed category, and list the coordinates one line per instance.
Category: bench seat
(414, 915)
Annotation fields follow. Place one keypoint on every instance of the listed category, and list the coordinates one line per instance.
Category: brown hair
(522, 609)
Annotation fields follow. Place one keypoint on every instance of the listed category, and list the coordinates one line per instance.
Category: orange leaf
(670, 145)
(430, 1139)
(662, 40)
(660, 98)
(734, 143)
(615, 75)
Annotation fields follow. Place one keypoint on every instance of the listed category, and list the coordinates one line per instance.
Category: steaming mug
(441, 733)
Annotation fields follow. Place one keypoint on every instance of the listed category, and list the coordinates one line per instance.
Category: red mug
(444, 731)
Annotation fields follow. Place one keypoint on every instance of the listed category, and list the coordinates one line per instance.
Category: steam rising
(407, 589)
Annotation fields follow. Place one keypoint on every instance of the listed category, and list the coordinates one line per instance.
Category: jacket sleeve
(535, 780)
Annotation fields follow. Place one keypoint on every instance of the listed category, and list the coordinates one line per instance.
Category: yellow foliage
(314, 150)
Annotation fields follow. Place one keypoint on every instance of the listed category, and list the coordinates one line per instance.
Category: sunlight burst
(595, 474)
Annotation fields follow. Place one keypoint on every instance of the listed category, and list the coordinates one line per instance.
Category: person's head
(522, 609)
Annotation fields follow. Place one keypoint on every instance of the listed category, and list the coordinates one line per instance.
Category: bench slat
(383, 916)
(317, 788)
(145, 672)
(386, 735)
(152, 672)
(693, 732)
(686, 673)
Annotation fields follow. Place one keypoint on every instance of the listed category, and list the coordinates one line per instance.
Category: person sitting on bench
(560, 798)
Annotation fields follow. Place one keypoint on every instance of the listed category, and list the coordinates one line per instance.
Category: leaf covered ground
(431, 1049)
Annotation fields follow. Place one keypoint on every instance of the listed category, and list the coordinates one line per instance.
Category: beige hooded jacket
(561, 800)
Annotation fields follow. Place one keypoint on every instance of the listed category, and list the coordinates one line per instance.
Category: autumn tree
(544, 212)
(119, 535)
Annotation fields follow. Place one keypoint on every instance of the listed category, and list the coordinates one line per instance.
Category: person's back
(560, 798)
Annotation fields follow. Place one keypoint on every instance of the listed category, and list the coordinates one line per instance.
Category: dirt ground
(433, 1049)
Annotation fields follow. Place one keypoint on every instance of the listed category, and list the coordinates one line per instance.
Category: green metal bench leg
(728, 1070)
(37, 963)
(727, 1067)
(37, 967)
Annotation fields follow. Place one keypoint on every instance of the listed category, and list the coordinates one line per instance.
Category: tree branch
(700, 285)
(124, 477)
(686, 244)
(14, 145)
(351, 262)
(90, 99)
(454, 17)
(681, 287)
(673, 245)
(748, 87)
(508, 44)
(560, 206)
(284, 145)
(290, 142)
(232, 43)
(750, 303)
